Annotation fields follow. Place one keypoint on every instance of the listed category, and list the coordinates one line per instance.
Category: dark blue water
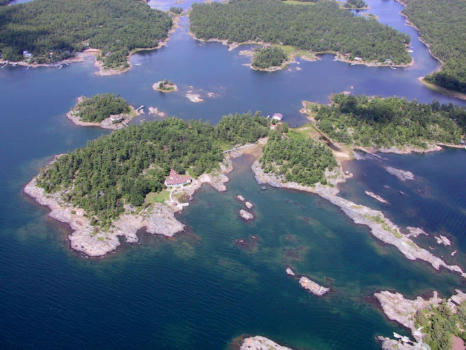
(200, 290)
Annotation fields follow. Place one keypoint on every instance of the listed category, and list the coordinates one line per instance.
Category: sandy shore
(156, 219)
(106, 123)
(380, 226)
(403, 311)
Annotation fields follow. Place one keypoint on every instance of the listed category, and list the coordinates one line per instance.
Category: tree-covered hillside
(386, 122)
(297, 157)
(320, 27)
(126, 165)
(442, 25)
(53, 30)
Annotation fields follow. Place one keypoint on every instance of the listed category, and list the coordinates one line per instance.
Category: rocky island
(104, 110)
(165, 86)
(260, 343)
(134, 184)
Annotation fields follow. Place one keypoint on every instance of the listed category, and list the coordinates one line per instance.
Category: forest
(385, 122)
(442, 26)
(100, 107)
(267, 57)
(320, 27)
(439, 323)
(53, 30)
(123, 167)
(297, 157)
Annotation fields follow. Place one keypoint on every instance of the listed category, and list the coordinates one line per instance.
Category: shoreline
(101, 70)
(379, 226)
(429, 85)
(159, 218)
(313, 56)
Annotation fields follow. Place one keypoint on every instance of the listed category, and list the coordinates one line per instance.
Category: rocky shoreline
(403, 311)
(380, 227)
(157, 219)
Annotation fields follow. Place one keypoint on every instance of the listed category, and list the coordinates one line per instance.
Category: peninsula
(295, 161)
(323, 27)
(441, 25)
(132, 179)
(104, 110)
(58, 30)
(387, 124)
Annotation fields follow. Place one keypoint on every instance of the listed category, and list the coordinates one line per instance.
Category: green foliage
(100, 107)
(267, 57)
(126, 165)
(385, 122)
(298, 158)
(442, 25)
(355, 4)
(439, 323)
(322, 27)
(53, 30)
(176, 10)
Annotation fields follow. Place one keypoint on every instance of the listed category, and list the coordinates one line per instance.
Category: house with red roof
(177, 180)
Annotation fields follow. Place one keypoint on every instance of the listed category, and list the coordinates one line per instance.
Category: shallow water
(200, 290)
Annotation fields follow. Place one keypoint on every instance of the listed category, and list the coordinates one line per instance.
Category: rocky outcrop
(376, 197)
(261, 343)
(380, 226)
(246, 215)
(312, 286)
(442, 240)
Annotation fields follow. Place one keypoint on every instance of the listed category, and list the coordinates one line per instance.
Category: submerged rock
(403, 175)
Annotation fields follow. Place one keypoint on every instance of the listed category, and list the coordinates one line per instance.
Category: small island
(355, 4)
(64, 30)
(260, 343)
(165, 86)
(315, 28)
(139, 177)
(104, 110)
(269, 59)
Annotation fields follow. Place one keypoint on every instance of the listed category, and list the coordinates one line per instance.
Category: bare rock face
(442, 240)
(312, 286)
(290, 272)
(376, 197)
(248, 205)
(261, 343)
(240, 198)
(246, 215)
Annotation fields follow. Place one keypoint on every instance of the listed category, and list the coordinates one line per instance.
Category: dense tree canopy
(442, 24)
(297, 157)
(100, 107)
(126, 165)
(320, 27)
(53, 30)
(267, 57)
(355, 4)
(385, 122)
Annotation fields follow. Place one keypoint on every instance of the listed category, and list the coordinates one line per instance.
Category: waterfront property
(177, 180)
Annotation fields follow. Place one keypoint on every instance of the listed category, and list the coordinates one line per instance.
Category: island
(322, 27)
(104, 110)
(436, 322)
(139, 177)
(298, 159)
(60, 30)
(387, 124)
(269, 59)
(441, 25)
(165, 86)
(356, 4)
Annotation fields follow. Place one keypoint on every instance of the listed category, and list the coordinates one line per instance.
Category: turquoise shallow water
(200, 290)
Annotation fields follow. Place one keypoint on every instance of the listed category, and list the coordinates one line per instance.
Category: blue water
(200, 290)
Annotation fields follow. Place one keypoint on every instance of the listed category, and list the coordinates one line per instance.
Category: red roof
(176, 179)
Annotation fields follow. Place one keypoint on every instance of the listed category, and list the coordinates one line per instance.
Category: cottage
(277, 117)
(358, 59)
(116, 118)
(27, 54)
(177, 180)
